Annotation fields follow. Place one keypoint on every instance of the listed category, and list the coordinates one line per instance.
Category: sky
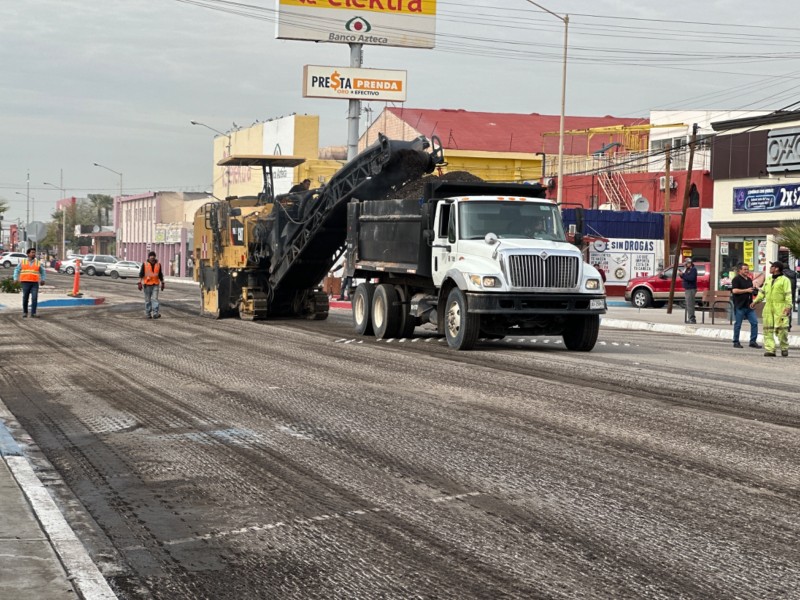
(117, 82)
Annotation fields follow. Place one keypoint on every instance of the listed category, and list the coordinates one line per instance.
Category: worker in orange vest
(151, 277)
(30, 272)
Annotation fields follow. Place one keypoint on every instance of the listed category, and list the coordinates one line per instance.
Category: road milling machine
(265, 256)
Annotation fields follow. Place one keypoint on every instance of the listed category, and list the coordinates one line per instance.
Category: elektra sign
(783, 150)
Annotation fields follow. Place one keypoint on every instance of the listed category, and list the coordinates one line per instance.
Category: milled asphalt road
(289, 459)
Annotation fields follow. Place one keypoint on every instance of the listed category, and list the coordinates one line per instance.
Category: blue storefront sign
(759, 199)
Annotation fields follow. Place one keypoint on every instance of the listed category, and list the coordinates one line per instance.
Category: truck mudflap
(536, 304)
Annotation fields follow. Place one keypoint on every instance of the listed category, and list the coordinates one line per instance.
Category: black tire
(408, 322)
(460, 327)
(114, 275)
(362, 309)
(70, 270)
(386, 312)
(580, 332)
(7, 264)
(642, 298)
(91, 271)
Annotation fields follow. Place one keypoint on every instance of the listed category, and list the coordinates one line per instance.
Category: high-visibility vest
(29, 271)
(151, 274)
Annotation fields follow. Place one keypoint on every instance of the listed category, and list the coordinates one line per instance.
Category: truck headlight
(592, 284)
(484, 281)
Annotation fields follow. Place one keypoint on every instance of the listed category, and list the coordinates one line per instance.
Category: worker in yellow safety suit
(777, 297)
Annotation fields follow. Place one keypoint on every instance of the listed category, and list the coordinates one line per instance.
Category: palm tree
(101, 202)
(789, 237)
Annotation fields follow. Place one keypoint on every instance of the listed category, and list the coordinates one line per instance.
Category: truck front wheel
(580, 332)
(362, 307)
(385, 312)
(460, 327)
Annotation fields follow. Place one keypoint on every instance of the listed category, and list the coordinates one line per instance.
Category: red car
(653, 290)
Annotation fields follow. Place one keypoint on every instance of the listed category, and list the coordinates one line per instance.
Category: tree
(101, 202)
(789, 236)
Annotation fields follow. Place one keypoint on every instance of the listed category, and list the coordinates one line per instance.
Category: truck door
(443, 241)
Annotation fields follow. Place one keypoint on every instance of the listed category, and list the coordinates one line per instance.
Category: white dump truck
(476, 260)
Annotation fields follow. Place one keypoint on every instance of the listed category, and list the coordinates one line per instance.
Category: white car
(68, 266)
(123, 269)
(11, 259)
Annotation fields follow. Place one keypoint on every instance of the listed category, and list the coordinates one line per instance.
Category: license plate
(596, 304)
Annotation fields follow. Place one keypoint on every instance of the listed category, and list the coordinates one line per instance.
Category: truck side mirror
(577, 238)
(427, 236)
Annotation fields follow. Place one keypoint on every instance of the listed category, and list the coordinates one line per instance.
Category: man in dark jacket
(689, 277)
(742, 289)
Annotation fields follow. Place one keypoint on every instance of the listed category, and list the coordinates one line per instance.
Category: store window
(734, 250)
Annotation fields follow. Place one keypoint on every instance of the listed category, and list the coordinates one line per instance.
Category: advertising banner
(407, 23)
(771, 197)
(354, 84)
(748, 252)
(623, 259)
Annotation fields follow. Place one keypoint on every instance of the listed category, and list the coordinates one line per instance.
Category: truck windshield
(510, 219)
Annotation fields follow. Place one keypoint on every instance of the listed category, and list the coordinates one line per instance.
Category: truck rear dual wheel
(386, 312)
(460, 327)
(581, 331)
(362, 308)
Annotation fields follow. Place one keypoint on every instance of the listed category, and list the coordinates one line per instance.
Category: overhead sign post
(349, 83)
(404, 23)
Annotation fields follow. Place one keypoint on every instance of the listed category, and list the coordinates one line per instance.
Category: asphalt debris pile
(414, 189)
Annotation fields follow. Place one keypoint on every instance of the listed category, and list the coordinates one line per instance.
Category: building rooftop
(506, 132)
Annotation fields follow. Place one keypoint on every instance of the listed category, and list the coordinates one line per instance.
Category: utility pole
(667, 192)
(686, 191)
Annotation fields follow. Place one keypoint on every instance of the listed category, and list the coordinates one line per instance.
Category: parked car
(68, 266)
(124, 268)
(653, 290)
(11, 259)
(97, 264)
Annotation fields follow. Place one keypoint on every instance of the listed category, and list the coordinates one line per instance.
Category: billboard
(766, 198)
(624, 258)
(408, 23)
(354, 84)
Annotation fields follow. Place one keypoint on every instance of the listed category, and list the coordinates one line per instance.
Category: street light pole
(565, 20)
(27, 213)
(228, 147)
(113, 171)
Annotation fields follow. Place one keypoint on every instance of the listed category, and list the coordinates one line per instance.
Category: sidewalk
(657, 319)
(50, 296)
(40, 556)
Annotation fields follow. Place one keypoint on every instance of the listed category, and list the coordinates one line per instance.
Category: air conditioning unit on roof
(673, 185)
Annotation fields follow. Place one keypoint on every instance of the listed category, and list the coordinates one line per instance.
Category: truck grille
(532, 271)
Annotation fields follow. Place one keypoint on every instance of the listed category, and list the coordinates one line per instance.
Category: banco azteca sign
(409, 23)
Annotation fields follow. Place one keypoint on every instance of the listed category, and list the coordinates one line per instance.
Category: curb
(79, 566)
(709, 332)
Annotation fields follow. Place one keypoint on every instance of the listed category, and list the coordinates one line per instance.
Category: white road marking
(79, 566)
(302, 521)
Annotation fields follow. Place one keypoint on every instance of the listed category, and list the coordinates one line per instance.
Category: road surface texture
(288, 459)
